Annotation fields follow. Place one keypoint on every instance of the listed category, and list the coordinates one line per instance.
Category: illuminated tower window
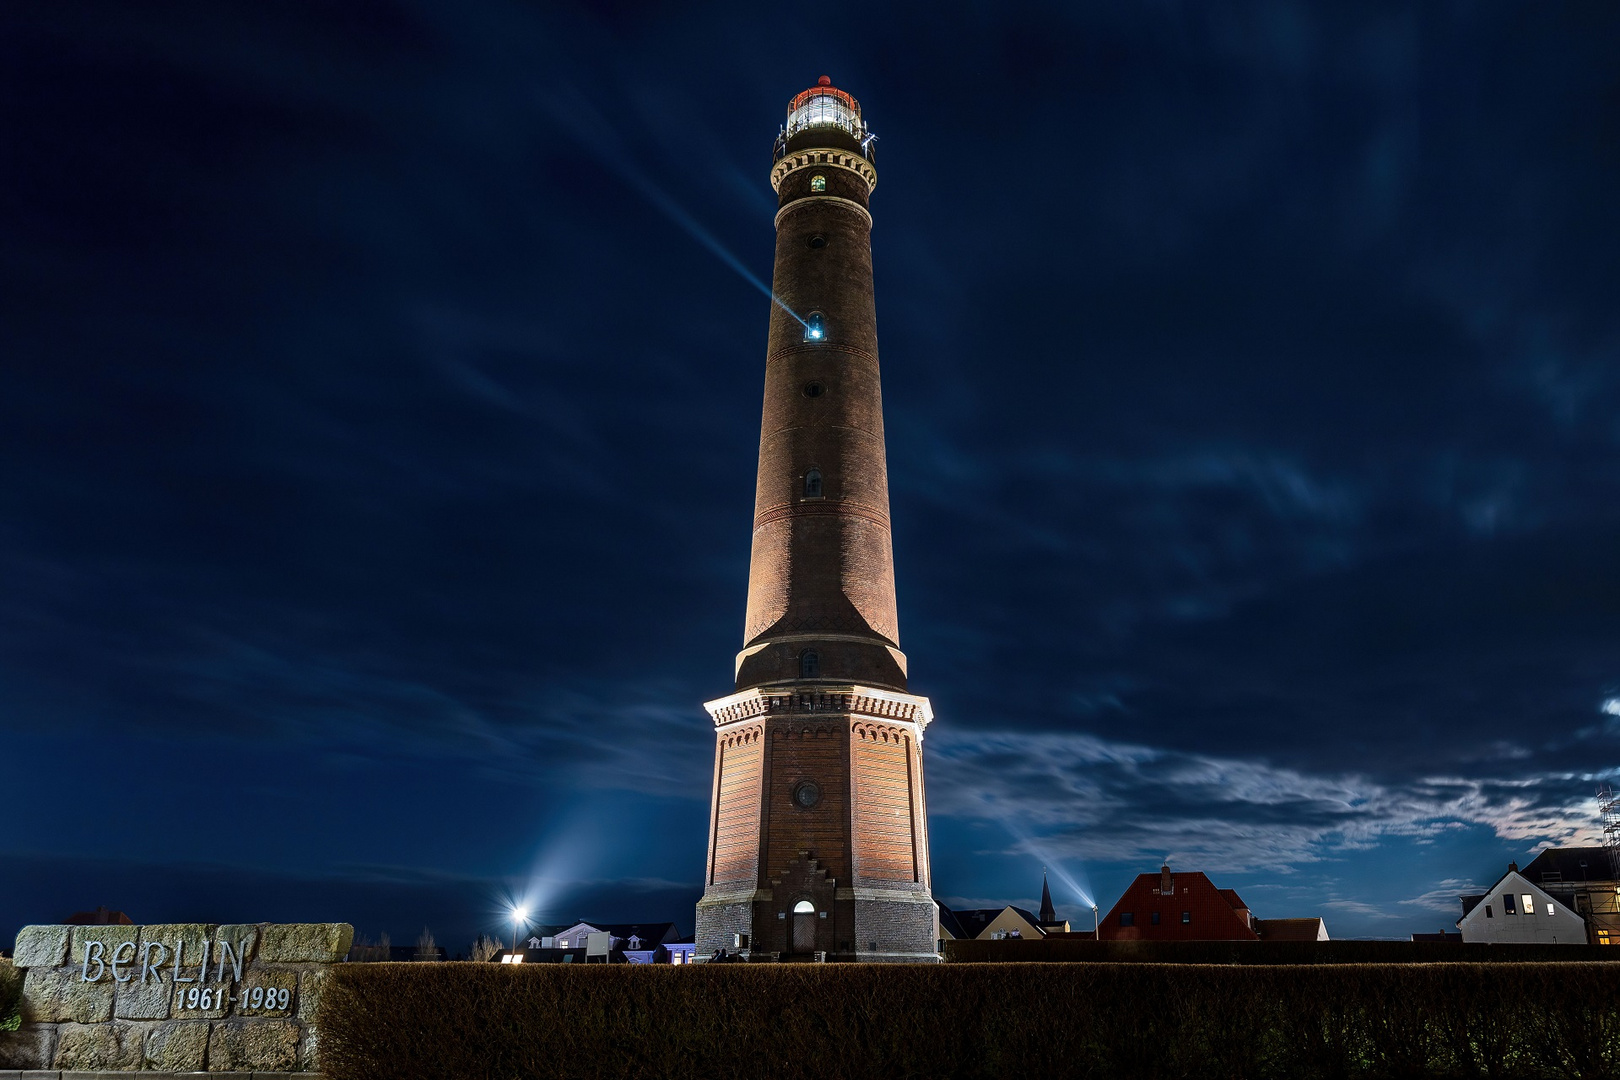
(812, 484)
(818, 184)
(815, 327)
(809, 664)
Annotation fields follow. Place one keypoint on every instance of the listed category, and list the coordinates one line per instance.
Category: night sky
(381, 405)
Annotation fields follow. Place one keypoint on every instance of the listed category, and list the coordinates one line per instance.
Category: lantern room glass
(825, 109)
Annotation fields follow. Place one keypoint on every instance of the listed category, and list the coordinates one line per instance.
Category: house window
(1550, 909)
(1127, 918)
(1186, 916)
(812, 484)
(1488, 912)
(818, 183)
(1603, 937)
(1507, 904)
(809, 664)
(1529, 904)
(1154, 918)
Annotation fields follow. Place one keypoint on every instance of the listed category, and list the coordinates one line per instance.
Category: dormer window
(815, 327)
(812, 484)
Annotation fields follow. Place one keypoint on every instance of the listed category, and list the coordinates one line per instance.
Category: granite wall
(180, 997)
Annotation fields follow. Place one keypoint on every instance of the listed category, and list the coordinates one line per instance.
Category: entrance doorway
(804, 927)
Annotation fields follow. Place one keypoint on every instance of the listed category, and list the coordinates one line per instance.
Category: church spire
(1048, 914)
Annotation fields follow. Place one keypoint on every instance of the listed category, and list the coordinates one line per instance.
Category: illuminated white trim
(851, 203)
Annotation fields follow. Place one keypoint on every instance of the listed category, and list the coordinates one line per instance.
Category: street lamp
(1095, 936)
(519, 914)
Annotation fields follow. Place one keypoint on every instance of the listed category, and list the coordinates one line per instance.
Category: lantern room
(824, 115)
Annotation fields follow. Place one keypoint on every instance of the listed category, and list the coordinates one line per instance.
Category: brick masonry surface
(177, 998)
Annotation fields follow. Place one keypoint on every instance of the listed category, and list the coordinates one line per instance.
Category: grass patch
(11, 981)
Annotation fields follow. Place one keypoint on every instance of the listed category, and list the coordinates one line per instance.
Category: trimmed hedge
(1071, 950)
(852, 1022)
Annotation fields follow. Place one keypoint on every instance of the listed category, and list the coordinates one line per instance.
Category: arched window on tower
(812, 484)
(809, 664)
(818, 183)
(815, 327)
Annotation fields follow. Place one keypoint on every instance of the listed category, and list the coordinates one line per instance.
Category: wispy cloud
(1122, 802)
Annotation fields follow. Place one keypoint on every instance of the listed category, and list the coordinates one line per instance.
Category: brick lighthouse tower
(818, 835)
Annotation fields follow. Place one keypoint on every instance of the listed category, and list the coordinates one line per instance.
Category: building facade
(1177, 907)
(1585, 880)
(1516, 912)
(818, 835)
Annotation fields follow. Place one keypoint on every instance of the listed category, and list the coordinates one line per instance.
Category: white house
(1513, 911)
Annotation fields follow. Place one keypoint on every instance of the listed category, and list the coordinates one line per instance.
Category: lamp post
(1095, 936)
(518, 915)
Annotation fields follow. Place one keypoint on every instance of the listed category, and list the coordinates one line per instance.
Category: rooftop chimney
(1167, 884)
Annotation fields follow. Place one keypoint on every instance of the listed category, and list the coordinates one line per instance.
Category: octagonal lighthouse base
(818, 834)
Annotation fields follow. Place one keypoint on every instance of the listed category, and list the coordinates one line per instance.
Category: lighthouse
(818, 832)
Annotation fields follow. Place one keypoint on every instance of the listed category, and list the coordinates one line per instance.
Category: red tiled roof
(1209, 911)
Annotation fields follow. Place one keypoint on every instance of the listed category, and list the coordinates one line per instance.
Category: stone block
(135, 1000)
(261, 1045)
(34, 1047)
(311, 985)
(110, 937)
(53, 995)
(184, 939)
(236, 934)
(309, 1050)
(41, 946)
(305, 943)
(98, 1046)
(177, 1047)
(259, 994)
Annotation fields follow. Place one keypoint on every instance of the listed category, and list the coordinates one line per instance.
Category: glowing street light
(519, 916)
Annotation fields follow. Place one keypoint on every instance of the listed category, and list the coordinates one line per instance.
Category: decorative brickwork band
(859, 701)
(832, 159)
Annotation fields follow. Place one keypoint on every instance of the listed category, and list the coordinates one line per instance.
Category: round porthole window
(818, 241)
(806, 793)
(814, 389)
